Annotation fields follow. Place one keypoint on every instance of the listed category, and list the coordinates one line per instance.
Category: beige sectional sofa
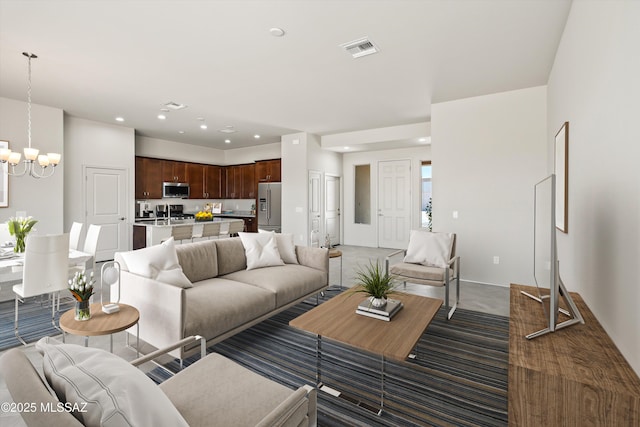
(221, 297)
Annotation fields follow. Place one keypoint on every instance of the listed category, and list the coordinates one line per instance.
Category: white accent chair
(429, 260)
(46, 261)
(74, 235)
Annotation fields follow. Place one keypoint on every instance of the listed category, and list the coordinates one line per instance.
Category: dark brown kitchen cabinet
(148, 178)
(248, 177)
(212, 182)
(173, 171)
(268, 170)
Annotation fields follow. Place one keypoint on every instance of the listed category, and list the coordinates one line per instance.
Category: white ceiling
(101, 59)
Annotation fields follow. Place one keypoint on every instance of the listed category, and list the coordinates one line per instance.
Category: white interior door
(332, 208)
(315, 208)
(394, 203)
(106, 205)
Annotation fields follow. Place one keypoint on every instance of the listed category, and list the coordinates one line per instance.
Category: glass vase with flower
(20, 227)
(82, 289)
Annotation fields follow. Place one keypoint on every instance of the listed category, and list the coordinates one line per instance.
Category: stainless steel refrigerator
(269, 206)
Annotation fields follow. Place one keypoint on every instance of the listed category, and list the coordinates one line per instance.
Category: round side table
(101, 323)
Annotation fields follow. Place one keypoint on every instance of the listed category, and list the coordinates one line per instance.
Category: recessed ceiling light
(119, 119)
(227, 141)
(181, 132)
(276, 32)
(203, 126)
(161, 116)
(422, 139)
(256, 136)
(346, 148)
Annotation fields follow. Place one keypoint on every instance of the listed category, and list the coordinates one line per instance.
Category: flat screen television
(545, 262)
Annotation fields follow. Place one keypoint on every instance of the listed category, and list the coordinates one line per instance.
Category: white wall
(163, 149)
(367, 234)
(89, 143)
(594, 86)
(238, 156)
(295, 186)
(40, 198)
(488, 152)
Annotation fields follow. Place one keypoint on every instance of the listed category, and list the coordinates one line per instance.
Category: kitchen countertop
(151, 222)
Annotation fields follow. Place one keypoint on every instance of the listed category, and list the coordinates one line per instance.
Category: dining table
(11, 263)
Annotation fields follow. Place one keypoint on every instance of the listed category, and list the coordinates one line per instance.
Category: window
(425, 186)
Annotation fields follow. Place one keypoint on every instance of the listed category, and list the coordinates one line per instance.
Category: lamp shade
(110, 275)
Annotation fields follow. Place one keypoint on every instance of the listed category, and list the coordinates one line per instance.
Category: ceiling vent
(174, 105)
(360, 47)
(227, 129)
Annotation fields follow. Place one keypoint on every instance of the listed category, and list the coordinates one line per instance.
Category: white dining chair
(90, 247)
(44, 272)
(74, 235)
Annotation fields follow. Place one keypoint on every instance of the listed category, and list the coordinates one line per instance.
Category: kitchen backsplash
(193, 206)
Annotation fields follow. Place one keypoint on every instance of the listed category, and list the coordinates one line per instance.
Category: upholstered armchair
(429, 260)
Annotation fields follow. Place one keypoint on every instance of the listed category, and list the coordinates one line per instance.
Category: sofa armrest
(387, 259)
(188, 340)
(161, 307)
(317, 258)
(290, 408)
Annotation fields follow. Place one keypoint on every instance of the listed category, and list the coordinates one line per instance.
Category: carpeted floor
(459, 377)
(34, 320)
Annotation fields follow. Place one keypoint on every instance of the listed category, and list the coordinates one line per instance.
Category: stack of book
(383, 313)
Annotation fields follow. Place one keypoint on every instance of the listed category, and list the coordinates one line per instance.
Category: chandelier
(47, 163)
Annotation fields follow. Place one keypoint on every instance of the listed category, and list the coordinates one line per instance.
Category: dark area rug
(458, 378)
(34, 321)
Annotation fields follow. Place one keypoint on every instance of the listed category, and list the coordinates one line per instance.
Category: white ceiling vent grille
(174, 105)
(360, 47)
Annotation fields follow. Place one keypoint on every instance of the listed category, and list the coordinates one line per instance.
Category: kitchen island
(153, 231)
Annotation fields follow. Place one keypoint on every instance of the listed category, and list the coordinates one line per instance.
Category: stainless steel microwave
(175, 189)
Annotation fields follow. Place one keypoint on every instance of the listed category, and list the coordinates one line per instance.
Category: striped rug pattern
(34, 320)
(458, 378)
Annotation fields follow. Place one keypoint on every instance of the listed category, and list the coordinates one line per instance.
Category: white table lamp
(109, 275)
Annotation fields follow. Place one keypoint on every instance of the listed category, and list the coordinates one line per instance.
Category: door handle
(122, 219)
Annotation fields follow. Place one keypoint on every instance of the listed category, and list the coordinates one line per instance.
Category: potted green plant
(375, 282)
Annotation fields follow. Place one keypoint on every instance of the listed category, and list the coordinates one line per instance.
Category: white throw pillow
(261, 250)
(106, 389)
(286, 247)
(430, 249)
(159, 262)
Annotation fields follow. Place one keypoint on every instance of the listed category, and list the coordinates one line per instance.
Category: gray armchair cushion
(231, 255)
(217, 391)
(421, 272)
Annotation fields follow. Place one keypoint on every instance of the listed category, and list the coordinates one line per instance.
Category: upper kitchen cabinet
(204, 181)
(173, 171)
(240, 181)
(268, 170)
(213, 182)
(248, 176)
(148, 178)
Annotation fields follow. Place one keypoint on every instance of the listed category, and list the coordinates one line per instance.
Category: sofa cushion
(286, 247)
(218, 391)
(199, 260)
(261, 250)
(288, 282)
(159, 262)
(428, 248)
(215, 306)
(108, 390)
(231, 255)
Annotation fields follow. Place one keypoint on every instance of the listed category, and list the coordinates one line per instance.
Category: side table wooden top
(100, 323)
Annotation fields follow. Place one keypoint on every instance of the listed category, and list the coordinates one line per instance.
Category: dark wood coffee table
(337, 320)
